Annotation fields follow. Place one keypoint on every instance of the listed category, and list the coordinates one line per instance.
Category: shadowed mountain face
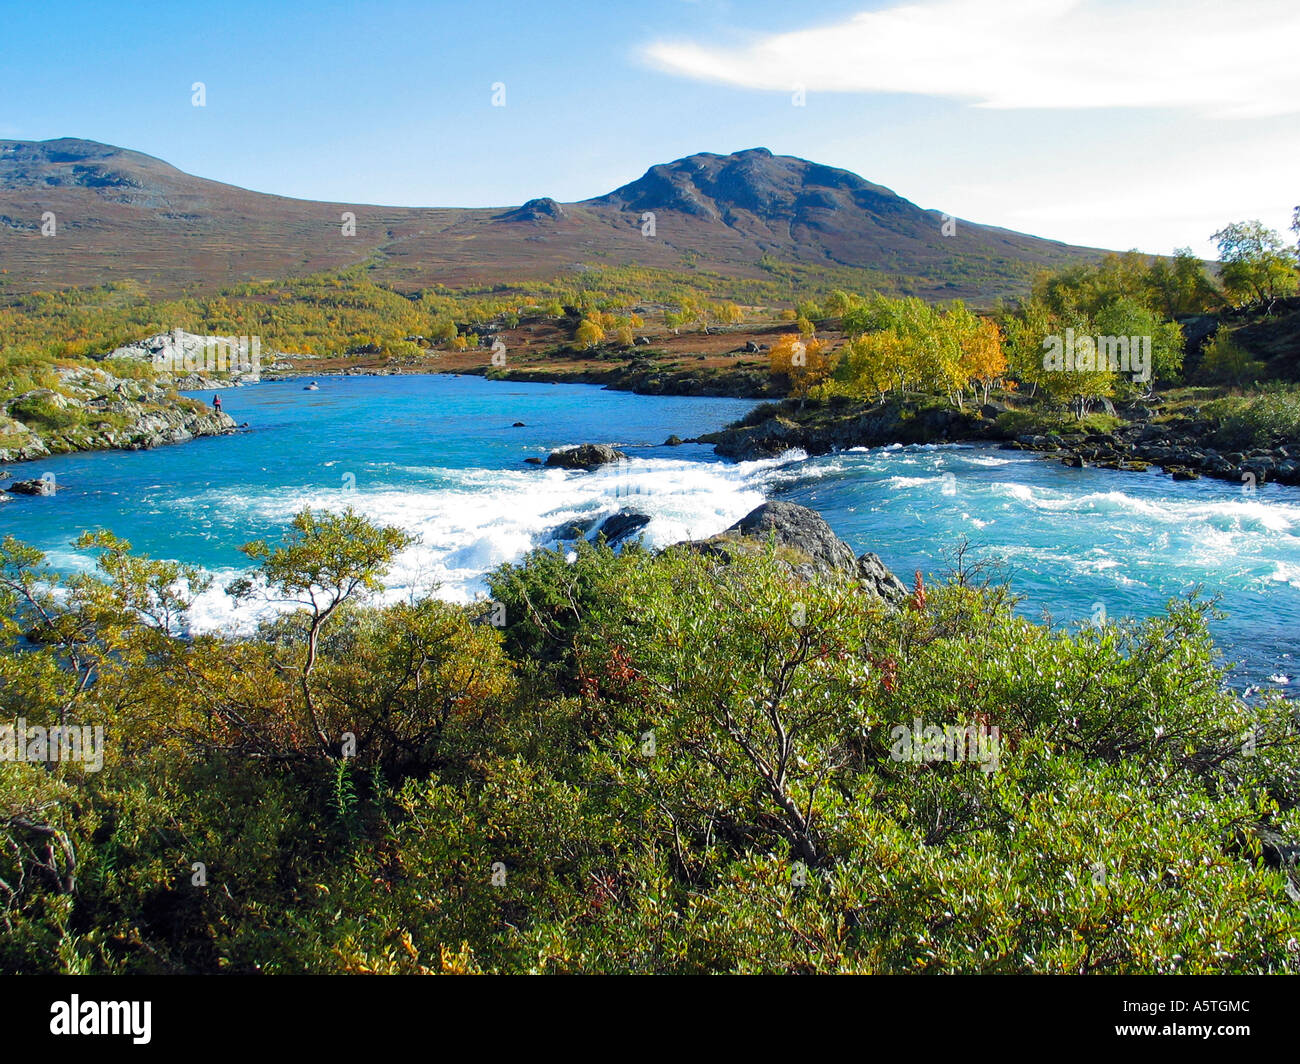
(120, 215)
(118, 176)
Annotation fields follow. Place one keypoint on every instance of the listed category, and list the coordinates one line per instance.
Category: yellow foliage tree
(805, 362)
(588, 335)
(838, 302)
(983, 359)
(876, 363)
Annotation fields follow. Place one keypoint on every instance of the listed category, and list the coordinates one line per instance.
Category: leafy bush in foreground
(658, 764)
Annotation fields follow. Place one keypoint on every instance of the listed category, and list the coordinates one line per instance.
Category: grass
(1054, 423)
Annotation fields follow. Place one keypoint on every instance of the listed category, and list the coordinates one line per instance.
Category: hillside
(124, 215)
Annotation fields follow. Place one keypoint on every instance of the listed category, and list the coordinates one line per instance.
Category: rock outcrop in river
(805, 542)
(588, 456)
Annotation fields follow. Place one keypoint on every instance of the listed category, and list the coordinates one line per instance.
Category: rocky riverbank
(646, 378)
(88, 408)
(1181, 448)
(837, 425)
(127, 398)
(1178, 442)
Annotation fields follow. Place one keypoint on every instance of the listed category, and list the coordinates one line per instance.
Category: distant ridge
(121, 214)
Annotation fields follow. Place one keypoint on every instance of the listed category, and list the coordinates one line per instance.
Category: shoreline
(1179, 446)
(92, 410)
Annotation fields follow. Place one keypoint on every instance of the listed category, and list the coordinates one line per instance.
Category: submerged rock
(577, 529)
(622, 525)
(32, 487)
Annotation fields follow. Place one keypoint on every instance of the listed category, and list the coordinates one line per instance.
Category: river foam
(468, 522)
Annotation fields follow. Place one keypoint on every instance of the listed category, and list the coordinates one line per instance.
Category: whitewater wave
(471, 521)
(1286, 573)
(900, 482)
(1230, 514)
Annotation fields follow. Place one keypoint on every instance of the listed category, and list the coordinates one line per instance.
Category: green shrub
(43, 415)
(1224, 362)
(1262, 420)
(1043, 422)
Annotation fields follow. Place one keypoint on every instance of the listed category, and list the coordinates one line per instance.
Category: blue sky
(1142, 123)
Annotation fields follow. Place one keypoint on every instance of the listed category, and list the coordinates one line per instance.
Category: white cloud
(1221, 60)
(1176, 201)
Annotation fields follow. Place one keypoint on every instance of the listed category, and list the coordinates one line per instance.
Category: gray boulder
(876, 579)
(810, 548)
(205, 360)
(800, 528)
(587, 456)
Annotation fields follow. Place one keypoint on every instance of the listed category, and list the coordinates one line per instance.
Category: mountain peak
(772, 188)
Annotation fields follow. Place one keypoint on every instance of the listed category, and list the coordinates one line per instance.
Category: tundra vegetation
(625, 762)
(841, 332)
